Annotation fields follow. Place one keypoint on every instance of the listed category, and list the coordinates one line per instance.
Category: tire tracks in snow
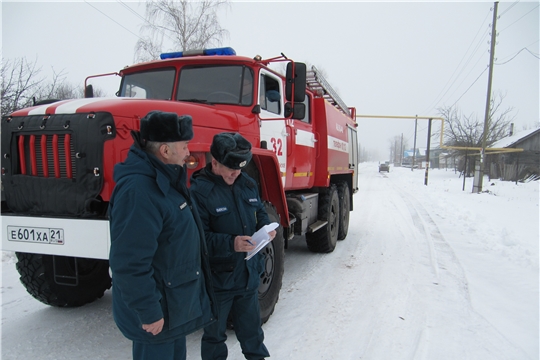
(392, 290)
(446, 273)
(450, 321)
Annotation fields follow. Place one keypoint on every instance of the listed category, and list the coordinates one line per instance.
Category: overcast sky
(384, 58)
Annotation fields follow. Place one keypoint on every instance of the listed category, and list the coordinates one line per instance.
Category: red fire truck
(58, 158)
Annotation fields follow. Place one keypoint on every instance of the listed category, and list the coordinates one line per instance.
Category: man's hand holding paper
(261, 238)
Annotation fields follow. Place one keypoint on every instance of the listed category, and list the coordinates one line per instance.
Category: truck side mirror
(89, 91)
(299, 81)
(298, 111)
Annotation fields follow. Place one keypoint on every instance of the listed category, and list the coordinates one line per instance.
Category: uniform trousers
(173, 350)
(246, 318)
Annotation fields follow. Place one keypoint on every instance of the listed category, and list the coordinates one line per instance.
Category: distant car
(384, 166)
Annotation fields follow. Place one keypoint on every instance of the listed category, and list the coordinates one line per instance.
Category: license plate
(36, 234)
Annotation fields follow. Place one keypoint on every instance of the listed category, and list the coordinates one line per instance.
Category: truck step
(316, 225)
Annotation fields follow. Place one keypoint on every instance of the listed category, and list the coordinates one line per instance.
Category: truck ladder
(318, 84)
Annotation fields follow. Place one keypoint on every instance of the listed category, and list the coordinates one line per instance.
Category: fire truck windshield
(153, 84)
(222, 84)
(216, 84)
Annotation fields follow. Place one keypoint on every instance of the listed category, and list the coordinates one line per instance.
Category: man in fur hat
(160, 270)
(231, 211)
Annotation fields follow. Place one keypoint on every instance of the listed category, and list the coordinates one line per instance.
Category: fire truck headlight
(192, 162)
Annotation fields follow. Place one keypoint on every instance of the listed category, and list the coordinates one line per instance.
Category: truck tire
(272, 276)
(344, 195)
(324, 240)
(37, 276)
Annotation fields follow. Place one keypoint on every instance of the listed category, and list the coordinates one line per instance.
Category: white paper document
(261, 238)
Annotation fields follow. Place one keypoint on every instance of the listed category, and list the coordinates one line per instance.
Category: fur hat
(231, 150)
(162, 126)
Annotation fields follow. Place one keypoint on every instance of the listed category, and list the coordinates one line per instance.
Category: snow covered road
(393, 289)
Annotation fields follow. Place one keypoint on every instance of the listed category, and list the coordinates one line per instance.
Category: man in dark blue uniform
(231, 211)
(158, 257)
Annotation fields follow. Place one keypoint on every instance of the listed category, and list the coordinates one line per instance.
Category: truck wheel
(324, 240)
(344, 195)
(38, 277)
(272, 276)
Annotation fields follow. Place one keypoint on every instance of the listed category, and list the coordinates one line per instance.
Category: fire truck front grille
(46, 156)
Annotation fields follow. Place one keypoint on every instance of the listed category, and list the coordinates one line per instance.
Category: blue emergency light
(206, 52)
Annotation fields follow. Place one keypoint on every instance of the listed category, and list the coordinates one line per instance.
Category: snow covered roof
(511, 140)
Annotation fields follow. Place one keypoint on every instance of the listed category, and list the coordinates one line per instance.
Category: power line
(132, 11)
(524, 48)
(527, 13)
(511, 6)
(464, 67)
(469, 86)
(112, 19)
(474, 52)
(513, 57)
(474, 82)
(465, 78)
(439, 97)
(160, 29)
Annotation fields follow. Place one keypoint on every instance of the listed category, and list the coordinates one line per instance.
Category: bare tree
(21, 83)
(185, 25)
(60, 89)
(365, 155)
(57, 88)
(396, 146)
(393, 149)
(23, 86)
(468, 131)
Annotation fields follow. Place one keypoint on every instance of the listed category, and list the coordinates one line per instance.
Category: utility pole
(427, 152)
(401, 152)
(396, 158)
(414, 147)
(479, 171)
